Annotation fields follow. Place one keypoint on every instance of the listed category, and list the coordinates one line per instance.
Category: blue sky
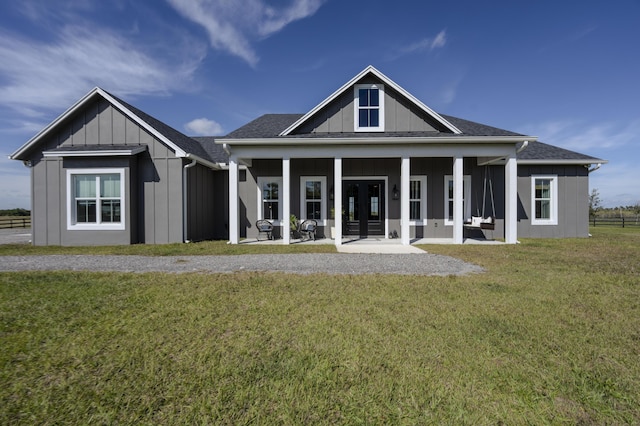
(566, 72)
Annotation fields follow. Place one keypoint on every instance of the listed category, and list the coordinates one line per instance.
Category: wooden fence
(615, 221)
(15, 222)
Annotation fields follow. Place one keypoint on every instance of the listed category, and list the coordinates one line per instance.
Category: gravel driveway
(405, 264)
(334, 264)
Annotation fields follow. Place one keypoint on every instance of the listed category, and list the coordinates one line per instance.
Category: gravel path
(405, 264)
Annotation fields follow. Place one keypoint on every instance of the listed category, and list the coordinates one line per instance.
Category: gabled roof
(179, 143)
(273, 125)
(370, 70)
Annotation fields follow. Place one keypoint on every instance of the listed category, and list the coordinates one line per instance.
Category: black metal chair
(308, 229)
(265, 228)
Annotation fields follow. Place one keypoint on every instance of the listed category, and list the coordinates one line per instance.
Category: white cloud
(426, 44)
(232, 24)
(41, 76)
(204, 127)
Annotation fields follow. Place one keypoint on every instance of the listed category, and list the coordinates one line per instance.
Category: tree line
(15, 212)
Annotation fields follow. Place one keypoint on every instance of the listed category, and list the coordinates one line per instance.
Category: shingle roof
(539, 151)
(271, 125)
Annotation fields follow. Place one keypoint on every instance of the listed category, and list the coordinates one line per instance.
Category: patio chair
(308, 229)
(265, 228)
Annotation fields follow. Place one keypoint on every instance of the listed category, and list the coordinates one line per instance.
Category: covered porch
(407, 157)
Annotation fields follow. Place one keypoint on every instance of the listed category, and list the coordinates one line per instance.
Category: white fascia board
(377, 141)
(97, 153)
(178, 151)
(42, 133)
(79, 104)
(387, 81)
(206, 163)
(560, 162)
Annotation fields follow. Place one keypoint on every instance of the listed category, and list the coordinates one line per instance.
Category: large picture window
(270, 198)
(369, 108)
(448, 199)
(313, 190)
(544, 196)
(95, 199)
(418, 200)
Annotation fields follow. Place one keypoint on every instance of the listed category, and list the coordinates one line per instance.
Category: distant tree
(595, 202)
(636, 210)
(15, 212)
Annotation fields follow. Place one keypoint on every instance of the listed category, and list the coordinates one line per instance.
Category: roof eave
(377, 141)
(576, 161)
(97, 153)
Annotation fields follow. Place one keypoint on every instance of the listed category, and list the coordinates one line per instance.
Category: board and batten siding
(153, 178)
(573, 202)
(400, 116)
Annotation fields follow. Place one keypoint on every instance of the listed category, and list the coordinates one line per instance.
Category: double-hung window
(544, 200)
(313, 191)
(448, 199)
(95, 199)
(418, 200)
(270, 198)
(369, 108)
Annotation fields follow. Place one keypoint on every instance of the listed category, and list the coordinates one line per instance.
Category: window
(544, 196)
(312, 197)
(418, 200)
(448, 199)
(95, 199)
(270, 198)
(369, 108)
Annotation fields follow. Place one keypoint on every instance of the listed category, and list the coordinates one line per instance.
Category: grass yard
(550, 334)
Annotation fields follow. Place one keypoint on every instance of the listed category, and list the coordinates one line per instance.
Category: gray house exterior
(105, 173)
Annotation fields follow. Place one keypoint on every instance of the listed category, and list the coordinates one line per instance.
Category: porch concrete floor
(375, 245)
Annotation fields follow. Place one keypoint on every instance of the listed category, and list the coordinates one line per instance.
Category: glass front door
(363, 205)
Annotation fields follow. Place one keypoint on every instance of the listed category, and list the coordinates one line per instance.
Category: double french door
(364, 206)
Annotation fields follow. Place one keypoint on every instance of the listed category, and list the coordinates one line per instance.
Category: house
(105, 172)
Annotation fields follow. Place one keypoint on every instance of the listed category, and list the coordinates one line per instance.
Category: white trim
(379, 108)
(511, 200)
(387, 82)
(279, 181)
(423, 200)
(466, 198)
(323, 198)
(382, 140)
(70, 206)
(80, 104)
(587, 161)
(136, 149)
(553, 220)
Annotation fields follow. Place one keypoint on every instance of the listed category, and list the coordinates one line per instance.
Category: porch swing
(486, 222)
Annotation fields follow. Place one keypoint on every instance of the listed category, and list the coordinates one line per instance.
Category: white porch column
(234, 202)
(286, 200)
(511, 200)
(458, 197)
(405, 174)
(337, 199)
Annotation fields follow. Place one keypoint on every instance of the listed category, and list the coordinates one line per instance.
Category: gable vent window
(369, 108)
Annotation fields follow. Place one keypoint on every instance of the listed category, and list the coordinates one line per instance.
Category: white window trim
(356, 108)
(71, 225)
(423, 200)
(323, 199)
(261, 181)
(466, 196)
(553, 220)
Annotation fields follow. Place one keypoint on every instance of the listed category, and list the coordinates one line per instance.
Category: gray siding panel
(154, 182)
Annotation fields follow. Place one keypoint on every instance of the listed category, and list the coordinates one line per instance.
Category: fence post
(623, 221)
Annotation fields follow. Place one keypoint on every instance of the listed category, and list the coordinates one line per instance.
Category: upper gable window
(369, 108)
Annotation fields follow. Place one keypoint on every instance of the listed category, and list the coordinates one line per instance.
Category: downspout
(593, 169)
(525, 144)
(184, 199)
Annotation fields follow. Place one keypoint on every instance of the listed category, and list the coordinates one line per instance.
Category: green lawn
(550, 334)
